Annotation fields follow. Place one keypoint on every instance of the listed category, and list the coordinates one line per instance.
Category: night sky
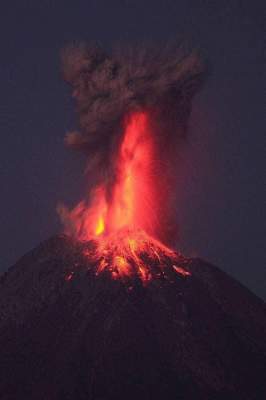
(221, 197)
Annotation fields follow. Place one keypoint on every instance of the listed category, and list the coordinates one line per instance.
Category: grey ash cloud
(108, 86)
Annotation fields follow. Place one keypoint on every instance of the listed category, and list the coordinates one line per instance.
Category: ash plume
(106, 87)
(109, 86)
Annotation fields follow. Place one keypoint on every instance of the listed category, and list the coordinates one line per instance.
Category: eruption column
(133, 107)
(130, 201)
(120, 222)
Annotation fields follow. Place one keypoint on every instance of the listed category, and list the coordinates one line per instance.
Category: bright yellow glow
(100, 227)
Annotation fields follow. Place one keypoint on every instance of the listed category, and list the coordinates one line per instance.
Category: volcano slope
(67, 333)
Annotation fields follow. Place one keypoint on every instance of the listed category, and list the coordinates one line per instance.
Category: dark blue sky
(221, 189)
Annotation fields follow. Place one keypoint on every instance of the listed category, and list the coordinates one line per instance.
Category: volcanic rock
(67, 333)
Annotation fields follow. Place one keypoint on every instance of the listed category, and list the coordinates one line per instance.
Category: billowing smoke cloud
(109, 86)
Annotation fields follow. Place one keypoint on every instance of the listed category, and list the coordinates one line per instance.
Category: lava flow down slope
(108, 310)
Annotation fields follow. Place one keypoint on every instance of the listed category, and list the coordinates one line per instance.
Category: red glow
(128, 254)
(69, 276)
(132, 198)
(181, 271)
(131, 203)
(122, 221)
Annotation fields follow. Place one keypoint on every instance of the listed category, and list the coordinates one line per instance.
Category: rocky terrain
(66, 333)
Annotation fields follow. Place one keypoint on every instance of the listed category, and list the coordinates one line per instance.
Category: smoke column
(133, 106)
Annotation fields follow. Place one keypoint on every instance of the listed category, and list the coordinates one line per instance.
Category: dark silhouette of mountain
(66, 333)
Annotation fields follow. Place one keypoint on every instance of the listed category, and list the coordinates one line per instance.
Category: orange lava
(131, 203)
(122, 223)
(133, 254)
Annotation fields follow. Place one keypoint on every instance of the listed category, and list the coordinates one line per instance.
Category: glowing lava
(122, 219)
(130, 203)
(128, 254)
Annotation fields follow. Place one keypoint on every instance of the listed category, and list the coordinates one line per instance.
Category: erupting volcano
(133, 109)
(121, 220)
(107, 310)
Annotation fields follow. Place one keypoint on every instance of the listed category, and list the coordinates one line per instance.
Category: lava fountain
(121, 220)
(133, 105)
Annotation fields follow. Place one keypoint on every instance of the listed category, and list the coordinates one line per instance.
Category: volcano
(107, 311)
(80, 320)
